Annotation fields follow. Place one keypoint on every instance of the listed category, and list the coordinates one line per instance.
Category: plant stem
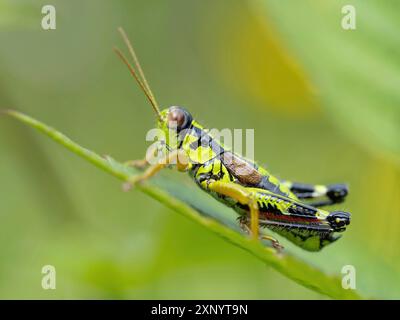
(288, 265)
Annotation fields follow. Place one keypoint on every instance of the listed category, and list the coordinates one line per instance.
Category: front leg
(139, 163)
(151, 154)
(176, 157)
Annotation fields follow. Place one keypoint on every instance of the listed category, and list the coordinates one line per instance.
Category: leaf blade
(213, 218)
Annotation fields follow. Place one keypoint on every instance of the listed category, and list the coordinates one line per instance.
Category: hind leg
(241, 195)
(245, 197)
(323, 194)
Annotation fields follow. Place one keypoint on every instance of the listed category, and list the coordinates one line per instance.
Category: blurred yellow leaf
(382, 183)
(357, 72)
(254, 62)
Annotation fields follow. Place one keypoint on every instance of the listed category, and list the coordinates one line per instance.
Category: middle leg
(245, 197)
(241, 195)
(243, 222)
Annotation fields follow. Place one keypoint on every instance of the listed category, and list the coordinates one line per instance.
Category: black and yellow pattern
(281, 204)
(257, 196)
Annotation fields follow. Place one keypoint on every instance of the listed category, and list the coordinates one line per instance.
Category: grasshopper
(292, 210)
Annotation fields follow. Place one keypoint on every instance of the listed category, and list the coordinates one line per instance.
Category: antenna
(136, 60)
(139, 76)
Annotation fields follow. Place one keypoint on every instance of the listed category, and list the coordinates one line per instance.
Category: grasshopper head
(174, 122)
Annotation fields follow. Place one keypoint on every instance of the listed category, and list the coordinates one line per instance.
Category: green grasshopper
(292, 210)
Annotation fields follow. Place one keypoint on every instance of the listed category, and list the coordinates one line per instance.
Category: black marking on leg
(337, 192)
(338, 220)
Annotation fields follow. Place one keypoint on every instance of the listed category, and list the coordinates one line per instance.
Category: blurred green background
(324, 103)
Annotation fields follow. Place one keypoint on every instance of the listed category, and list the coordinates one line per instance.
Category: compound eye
(176, 118)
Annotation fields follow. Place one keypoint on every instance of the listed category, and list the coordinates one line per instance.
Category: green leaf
(204, 210)
(355, 72)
